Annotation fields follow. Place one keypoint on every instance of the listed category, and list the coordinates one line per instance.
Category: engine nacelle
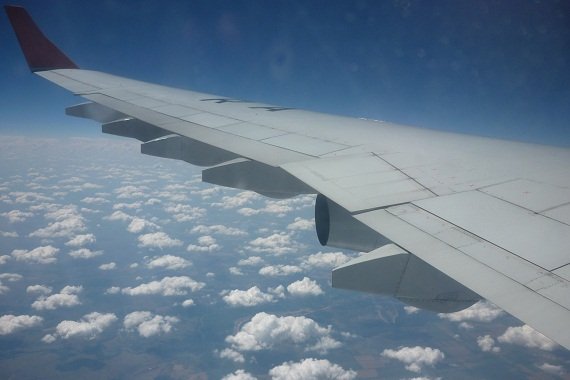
(336, 227)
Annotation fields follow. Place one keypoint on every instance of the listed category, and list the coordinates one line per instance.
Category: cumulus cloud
(131, 191)
(325, 260)
(304, 287)
(119, 215)
(17, 216)
(482, 311)
(311, 369)
(279, 270)
(94, 200)
(556, 370)
(277, 244)
(81, 240)
(251, 261)
(41, 255)
(205, 244)
(148, 324)
(168, 286)
(250, 297)
(108, 266)
(238, 200)
(11, 277)
(217, 230)
(89, 326)
(415, 357)
(168, 262)
(240, 374)
(264, 331)
(84, 253)
(4, 259)
(66, 222)
(188, 303)
(12, 323)
(233, 355)
(185, 213)
(67, 297)
(158, 240)
(528, 337)
(411, 310)
(301, 224)
(235, 271)
(487, 344)
(12, 234)
(39, 289)
(113, 290)
(138, 225)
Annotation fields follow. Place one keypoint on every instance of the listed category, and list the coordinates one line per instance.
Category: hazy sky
(485, 67)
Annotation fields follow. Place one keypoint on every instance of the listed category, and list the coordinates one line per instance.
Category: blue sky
(497, 69)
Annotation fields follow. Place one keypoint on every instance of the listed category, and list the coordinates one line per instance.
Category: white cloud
(3, 289)
(89, 326)
(251, 261)
(205, 244)
(228, 353)
(94, 200)
(277, 244)
(325, 260)
(264, 331)
(11, 277)
(17, 216)
(238, 200)
(235, 271)
(148, 324)
(415, 357)
(250, 297)
(528, 337)
(301, 224)
(131, 191)
(158, 240)
(168, 262)
(487, 344)
(188, 303)
(49, 338)
(279, 270)
(12, 234)
(119, 215)
(556, 370)
(38, 289)
(185, 213)
(4, 259)
(482, 311)
(84, 253)
(67, 297)
(240, 374)
(113, 290)
(217, 229)
(168, 286)
(108, 266)
(304, 287)
(311, 369)
(128, 206)
(81, 240)
(41, 255)
(411, 310)
(67, 222)
(12, 323)
(137, 225)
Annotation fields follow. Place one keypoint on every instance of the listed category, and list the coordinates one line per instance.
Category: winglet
(39, 51)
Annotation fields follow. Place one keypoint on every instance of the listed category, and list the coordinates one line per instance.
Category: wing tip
(40, 53)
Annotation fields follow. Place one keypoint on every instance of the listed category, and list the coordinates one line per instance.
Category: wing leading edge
(456, 217)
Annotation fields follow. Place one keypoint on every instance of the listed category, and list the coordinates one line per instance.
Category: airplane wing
(446, 218)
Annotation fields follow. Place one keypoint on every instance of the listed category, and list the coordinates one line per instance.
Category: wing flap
(543, 311)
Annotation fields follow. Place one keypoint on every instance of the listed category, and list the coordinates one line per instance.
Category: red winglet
(39, 51)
